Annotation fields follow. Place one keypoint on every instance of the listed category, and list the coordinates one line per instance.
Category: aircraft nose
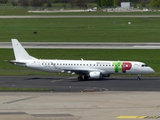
(151, 70)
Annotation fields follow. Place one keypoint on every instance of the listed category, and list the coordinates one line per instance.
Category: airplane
(86, 69)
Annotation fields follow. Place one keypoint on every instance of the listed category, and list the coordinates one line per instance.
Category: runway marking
(13, 113)
(18, 100)
(57, 80)
(71, 78)
(131, 117)
(138, 117)
(51, 115)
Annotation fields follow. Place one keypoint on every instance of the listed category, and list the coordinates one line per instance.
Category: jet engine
(95, 75)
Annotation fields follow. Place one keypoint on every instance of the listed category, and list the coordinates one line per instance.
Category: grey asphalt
(71, 84)
(81, 16)
(119, 98)
(84, 45)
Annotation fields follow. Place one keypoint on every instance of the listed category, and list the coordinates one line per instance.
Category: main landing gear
(138, 78)
(80, 78)
(83, 77)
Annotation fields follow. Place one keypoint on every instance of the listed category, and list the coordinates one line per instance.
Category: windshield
(144, 65)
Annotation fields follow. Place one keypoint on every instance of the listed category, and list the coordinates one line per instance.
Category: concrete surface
(79, 106)
(79, 16)
(83, 45)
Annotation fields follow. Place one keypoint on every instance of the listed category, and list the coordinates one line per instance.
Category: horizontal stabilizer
(15, 62)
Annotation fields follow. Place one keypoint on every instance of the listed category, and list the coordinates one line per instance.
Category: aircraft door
(33, 64)
(37, 63)
(136, 67)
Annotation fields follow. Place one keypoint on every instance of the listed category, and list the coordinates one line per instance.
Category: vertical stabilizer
(19, 52)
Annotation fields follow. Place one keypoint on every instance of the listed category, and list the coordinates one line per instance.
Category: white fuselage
(78, 66)
(84, 68)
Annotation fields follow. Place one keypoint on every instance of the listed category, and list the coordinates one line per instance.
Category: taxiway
(71, 84)
(78, 16)
(83, 45)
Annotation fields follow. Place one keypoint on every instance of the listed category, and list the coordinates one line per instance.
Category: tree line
(101, 3)
(47, 2)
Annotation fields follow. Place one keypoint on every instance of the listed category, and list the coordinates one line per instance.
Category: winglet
(19, 52)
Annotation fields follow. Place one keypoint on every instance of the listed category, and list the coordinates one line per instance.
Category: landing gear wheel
(80, 78)
(85, 77)
(139, 75)
(138, 78)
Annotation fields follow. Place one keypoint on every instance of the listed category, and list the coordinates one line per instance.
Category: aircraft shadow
(118, 79)
(39, 78)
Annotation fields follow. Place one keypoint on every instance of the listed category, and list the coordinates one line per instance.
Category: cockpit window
(144, 65)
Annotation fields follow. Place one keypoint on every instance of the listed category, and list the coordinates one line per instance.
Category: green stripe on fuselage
(117, 66)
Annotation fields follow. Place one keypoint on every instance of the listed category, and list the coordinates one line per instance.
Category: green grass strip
(24, 89)
(81, 30)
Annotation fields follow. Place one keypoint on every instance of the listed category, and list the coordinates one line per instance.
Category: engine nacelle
(95, 75)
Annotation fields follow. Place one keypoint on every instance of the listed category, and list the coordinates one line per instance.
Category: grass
(24, 89)
(150, 57)
(81, 30)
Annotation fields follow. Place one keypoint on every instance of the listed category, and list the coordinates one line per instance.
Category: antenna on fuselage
(82, 59)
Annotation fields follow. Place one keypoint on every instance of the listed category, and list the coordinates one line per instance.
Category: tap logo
(122, 67)
(126, 66)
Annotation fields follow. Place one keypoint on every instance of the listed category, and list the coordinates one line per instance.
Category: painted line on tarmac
(18, 100)
(57, 80)
(138, 117)
(70, 78)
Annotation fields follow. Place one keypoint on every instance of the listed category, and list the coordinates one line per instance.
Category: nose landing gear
(138, 78)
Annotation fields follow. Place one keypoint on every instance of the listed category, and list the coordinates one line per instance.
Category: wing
(80, 70)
